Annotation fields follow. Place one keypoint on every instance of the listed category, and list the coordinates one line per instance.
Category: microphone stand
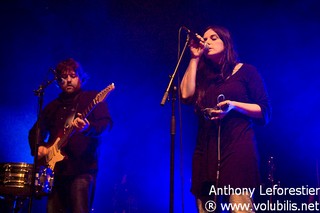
(173, 89)
(39, 93)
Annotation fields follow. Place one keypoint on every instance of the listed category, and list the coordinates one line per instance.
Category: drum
(15, 179)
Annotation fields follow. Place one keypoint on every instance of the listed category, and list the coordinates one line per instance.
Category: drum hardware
(16, 187)
(15, 179)
(43, 181)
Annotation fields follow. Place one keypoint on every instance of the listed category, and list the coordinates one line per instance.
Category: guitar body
(54, 155)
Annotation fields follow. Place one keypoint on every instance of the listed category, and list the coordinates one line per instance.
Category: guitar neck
(101, 96)
(89, 109)
(70, 131)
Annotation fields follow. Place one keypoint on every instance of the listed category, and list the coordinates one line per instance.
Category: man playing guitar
(70, 127)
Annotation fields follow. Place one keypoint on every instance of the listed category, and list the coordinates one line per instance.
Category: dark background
(134, 43)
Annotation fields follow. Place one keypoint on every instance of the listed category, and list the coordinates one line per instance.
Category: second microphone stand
(173, 89)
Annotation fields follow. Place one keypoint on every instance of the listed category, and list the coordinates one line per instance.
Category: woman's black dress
(239, 158)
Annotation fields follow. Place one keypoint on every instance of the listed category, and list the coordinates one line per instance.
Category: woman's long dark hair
(208, 71)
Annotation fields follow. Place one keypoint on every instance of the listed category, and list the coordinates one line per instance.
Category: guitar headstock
(101, 96)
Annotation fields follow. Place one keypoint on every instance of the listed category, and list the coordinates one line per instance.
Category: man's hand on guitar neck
(80, 124)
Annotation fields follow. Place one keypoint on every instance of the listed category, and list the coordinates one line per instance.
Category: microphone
(193, 35)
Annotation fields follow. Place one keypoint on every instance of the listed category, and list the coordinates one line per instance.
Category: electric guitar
(54, 152)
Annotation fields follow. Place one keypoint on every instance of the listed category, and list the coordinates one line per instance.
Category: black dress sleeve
(258, 94)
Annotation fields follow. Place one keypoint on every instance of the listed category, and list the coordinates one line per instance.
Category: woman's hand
(220, 111)
(197, 47)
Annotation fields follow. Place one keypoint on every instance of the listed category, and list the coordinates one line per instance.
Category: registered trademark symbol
(210, 206)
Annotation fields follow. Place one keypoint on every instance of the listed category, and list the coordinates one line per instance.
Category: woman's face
(214, 47)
